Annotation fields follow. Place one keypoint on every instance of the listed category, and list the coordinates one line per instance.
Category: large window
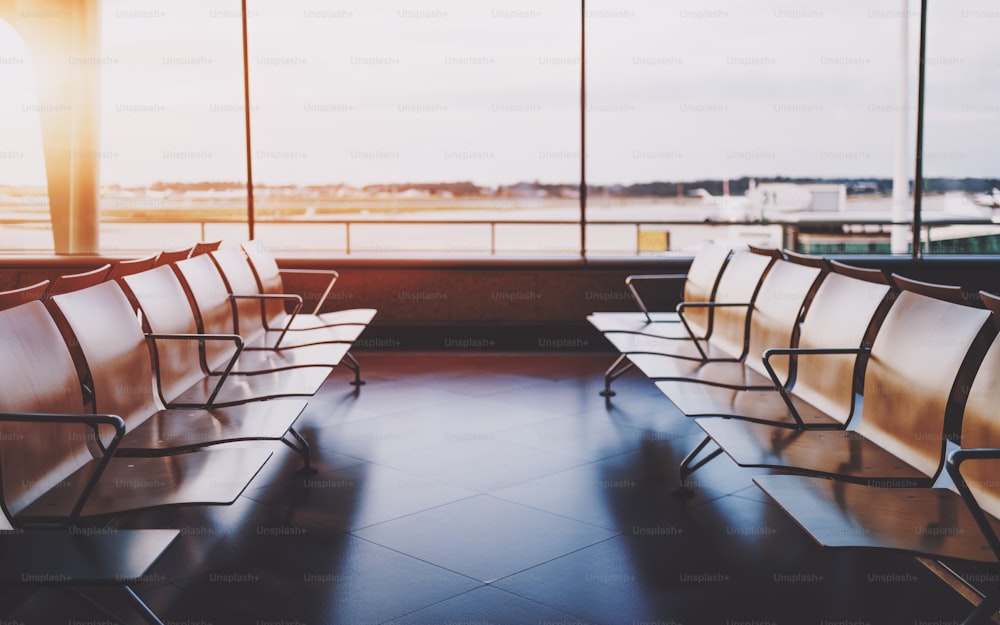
(962, 131)
(172, 154)
(382, 112)
(382, 128)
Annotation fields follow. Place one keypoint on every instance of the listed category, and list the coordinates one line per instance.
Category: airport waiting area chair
(959, 522)
(700, 284)
(735, 295)
(270, 281)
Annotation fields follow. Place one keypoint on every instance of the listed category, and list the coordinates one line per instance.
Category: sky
(373, 91)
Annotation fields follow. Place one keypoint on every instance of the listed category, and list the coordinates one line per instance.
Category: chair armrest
(235, 338)
(94, 420)
(801, 351)
(630, 280)
(292, 297)
(685, 305)
(954, 467)
(333, 275)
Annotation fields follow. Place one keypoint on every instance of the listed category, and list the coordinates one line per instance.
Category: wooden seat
(913, 384)
(166, 310)
(172, 256)
(128, 267)
(124, 363)
(835, 328)
(773, 323)
(214, 312)
(58, 464)
(258, 313)
(700, 283)
(270, 280)
(77, 281)
(737, 288)
(960, 522)
(16, 297)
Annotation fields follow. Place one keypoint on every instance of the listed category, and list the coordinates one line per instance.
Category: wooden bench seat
(737, 288)
(773, 322)
(101, 315)
(214, 310)
(166, 310)
(957, 522)
(270, 280)
(251, 306)
(912, 387)
(58, 464)
(219, 313)
(700, 283)
(121, 375)
(840, 317)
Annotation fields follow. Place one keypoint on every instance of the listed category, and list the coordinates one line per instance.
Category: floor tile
(484, 537)
(358, 496)
(489, 606)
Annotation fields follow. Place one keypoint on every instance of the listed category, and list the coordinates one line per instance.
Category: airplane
(990, 200)
(761, 201)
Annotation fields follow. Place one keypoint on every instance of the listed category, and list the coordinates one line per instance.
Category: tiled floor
(500, 488)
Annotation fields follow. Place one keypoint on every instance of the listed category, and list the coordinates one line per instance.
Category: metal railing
(791, 231)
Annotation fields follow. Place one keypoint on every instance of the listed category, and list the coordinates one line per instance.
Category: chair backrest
(914, 367)
(37, 374)
(239, 279)
(981, 429)
(16, 297)
(105, 329)
(776, 312)
(805, 259)
(76, 281)
(127, 267)
(770, 252)
(739, 284)
(840, 316)
(268, 276)
(699, 286)
(992, 304)
(204, 247)
(172, 256)
(166, 309)
(213, 307)
(945, 292)
(861, 273)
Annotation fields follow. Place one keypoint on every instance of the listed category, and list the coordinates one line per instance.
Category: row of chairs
(872, 398)
(120, 395)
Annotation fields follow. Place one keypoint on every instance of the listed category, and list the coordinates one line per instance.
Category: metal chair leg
(351, 363)
(614, 372)
(687, 468)
(303, 450)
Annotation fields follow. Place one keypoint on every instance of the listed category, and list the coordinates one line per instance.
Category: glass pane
(756, 113)
(962, 111)
(24, 201)
(380, 112)
(173, 152)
